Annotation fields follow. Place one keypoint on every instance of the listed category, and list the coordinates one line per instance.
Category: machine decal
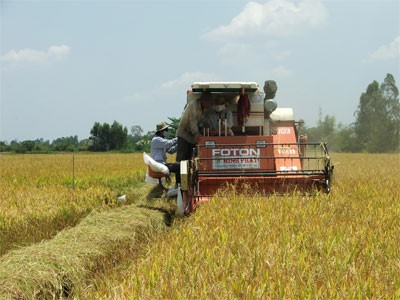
(288, 168)
(286, 150)
(284, 130)
(235, 158)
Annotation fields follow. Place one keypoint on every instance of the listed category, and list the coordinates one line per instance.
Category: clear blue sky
(68, 64)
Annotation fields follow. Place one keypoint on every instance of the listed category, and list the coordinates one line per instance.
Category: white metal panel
(282, 114)
(224, 85)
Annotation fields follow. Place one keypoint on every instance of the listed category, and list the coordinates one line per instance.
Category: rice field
(43, 194)
(344, 245)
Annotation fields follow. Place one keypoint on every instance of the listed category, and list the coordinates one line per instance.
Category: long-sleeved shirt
(160, 146)
(211, 118)
(192, 118)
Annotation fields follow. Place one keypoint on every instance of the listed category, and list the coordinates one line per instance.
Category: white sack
(155, 166)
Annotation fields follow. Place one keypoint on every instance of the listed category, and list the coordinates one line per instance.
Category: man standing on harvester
(188, 132)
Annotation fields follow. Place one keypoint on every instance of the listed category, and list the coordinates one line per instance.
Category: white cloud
(385, 52)
(271, 44)
(15, 58)
(282, 55)
(232, 53)
(273, 18)
(234, 48)
(281, 72)
(58, 52)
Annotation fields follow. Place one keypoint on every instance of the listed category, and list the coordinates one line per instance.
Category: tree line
(376, 129)
(103, 137)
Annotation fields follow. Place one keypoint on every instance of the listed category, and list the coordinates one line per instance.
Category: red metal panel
(266, 164)
(235, 153)
(286, 150)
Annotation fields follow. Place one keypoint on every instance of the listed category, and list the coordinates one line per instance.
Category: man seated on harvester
(160, 146)
(218, 119)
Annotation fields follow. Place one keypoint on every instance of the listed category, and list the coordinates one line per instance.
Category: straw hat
(162, 126)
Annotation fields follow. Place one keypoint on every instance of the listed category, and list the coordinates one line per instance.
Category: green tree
(118, 136)
(65, 143)
(4, 147)
(377, 117)
(84, 145)
(325, 131)
(173, 126)
(96, 137)
(390, 93)
(105, 137)
(136, 132)
(346, 139)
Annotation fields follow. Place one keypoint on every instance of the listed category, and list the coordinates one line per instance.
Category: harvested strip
(57, 267)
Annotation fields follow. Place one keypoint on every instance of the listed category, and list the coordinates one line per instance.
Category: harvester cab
(261, 148)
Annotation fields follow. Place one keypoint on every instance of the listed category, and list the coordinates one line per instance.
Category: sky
(65, 65)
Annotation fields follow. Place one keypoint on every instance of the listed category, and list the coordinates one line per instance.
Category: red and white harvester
(265, 152)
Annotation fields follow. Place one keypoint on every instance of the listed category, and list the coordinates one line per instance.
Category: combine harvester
(265, 151)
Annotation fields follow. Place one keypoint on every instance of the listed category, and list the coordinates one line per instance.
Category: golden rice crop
(42, 194)
(345, 245)
(339, 246)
